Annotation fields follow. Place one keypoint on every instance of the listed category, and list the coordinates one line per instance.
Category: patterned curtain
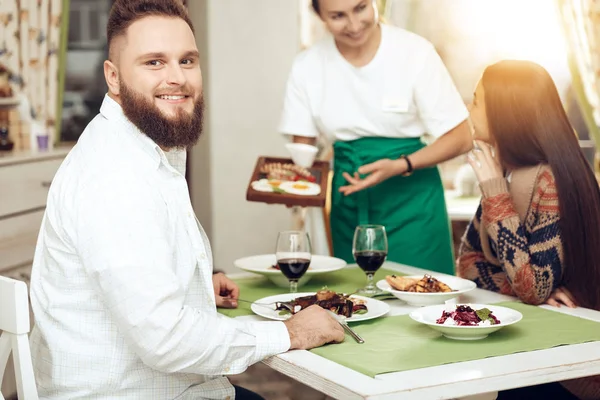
(581, 22)
(30, 40)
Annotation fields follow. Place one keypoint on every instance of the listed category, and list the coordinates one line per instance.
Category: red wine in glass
(293, 255)
(293, 268)
(370, 249)
(370, 261)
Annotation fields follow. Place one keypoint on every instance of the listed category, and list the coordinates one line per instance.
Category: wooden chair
(327, 211)
(14, 325)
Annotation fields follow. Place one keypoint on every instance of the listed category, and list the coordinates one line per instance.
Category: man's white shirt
(122, 279)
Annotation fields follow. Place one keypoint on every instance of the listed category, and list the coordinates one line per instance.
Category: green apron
(412, 209)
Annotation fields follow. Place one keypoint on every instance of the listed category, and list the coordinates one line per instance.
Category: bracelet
(409, 170)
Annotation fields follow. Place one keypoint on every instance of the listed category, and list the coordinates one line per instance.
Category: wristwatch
(409, 169)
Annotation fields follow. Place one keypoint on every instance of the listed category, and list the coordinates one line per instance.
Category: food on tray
(463, 315)
(301, 188)
(267, 185)
(287, 172)
(298, 187)
(286, 178)
(339, 303)
(427, 284)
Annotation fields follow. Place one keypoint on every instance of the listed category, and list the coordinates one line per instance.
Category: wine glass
(370, 248)
(293, 254)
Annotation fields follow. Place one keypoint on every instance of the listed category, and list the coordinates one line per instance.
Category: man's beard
(180, 131)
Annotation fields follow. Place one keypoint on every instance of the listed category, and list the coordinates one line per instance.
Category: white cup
(302, 154)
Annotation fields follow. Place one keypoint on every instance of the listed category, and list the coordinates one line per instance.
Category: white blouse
(404, 92)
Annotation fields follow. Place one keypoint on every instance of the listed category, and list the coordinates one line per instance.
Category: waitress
(374, 90)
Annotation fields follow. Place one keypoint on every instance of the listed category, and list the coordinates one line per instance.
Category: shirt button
(228, 398)
(226, 369)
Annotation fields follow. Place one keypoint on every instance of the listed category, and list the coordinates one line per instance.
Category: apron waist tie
(350, 161)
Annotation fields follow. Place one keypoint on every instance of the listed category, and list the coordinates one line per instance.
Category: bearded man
(123, 290)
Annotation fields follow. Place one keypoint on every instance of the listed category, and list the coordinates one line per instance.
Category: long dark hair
(316, 6)
(529, 126)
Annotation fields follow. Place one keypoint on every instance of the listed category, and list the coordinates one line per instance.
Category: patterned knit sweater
(529, 254)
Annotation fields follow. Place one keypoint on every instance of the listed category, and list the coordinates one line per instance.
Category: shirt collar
(175, 158)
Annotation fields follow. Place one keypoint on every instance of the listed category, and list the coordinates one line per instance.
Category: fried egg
(263, 185)
(301, 188)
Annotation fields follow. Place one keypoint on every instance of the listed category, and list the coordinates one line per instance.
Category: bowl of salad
(466, 321)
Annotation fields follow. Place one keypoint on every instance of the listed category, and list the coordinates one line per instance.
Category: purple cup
(42, 142)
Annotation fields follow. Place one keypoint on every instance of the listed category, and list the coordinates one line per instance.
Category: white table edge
(363, 385)
(297, 365)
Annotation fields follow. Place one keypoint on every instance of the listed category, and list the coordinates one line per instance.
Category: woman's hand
(484, 162)
(561, 295)
(377, 172)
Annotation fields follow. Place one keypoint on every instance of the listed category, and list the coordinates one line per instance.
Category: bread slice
(401, 283)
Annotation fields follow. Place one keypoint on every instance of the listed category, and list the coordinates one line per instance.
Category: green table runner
(398, 343)
(345, 280)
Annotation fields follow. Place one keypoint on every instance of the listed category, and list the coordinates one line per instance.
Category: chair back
(14, 328)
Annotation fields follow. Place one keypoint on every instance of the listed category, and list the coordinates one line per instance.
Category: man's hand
(561, 295)
(225, 291)
(313, 327)
(377, 171)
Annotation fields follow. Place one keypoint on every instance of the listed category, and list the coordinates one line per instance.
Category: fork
(342, 321)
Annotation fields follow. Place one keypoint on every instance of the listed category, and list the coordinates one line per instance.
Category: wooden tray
(320, 171)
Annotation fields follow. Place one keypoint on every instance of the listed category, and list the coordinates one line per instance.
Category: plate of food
(280, 181)
(425, 290)
(466, 321)
(352, 307)
(266, 264)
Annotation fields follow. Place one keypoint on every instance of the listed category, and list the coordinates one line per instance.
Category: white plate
(428, 316)
(300, 188)
(375, 308)
(262, 186)
(262, 265)
(459, 285)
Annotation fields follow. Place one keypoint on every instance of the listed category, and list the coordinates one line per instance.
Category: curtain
(30, 44)
(581, 23)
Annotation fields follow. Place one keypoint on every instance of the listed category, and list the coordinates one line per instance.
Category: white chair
(14, 325)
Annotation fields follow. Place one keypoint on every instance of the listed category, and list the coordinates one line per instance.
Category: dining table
(478, 377)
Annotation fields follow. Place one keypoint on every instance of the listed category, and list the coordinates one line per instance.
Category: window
(86, 52)
(87, 23)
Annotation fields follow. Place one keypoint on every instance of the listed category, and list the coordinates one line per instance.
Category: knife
(342, 321)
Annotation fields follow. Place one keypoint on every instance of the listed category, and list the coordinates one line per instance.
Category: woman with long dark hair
(537, 229)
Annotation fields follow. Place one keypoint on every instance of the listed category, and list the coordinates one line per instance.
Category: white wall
(247, 49)
(471, 34)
